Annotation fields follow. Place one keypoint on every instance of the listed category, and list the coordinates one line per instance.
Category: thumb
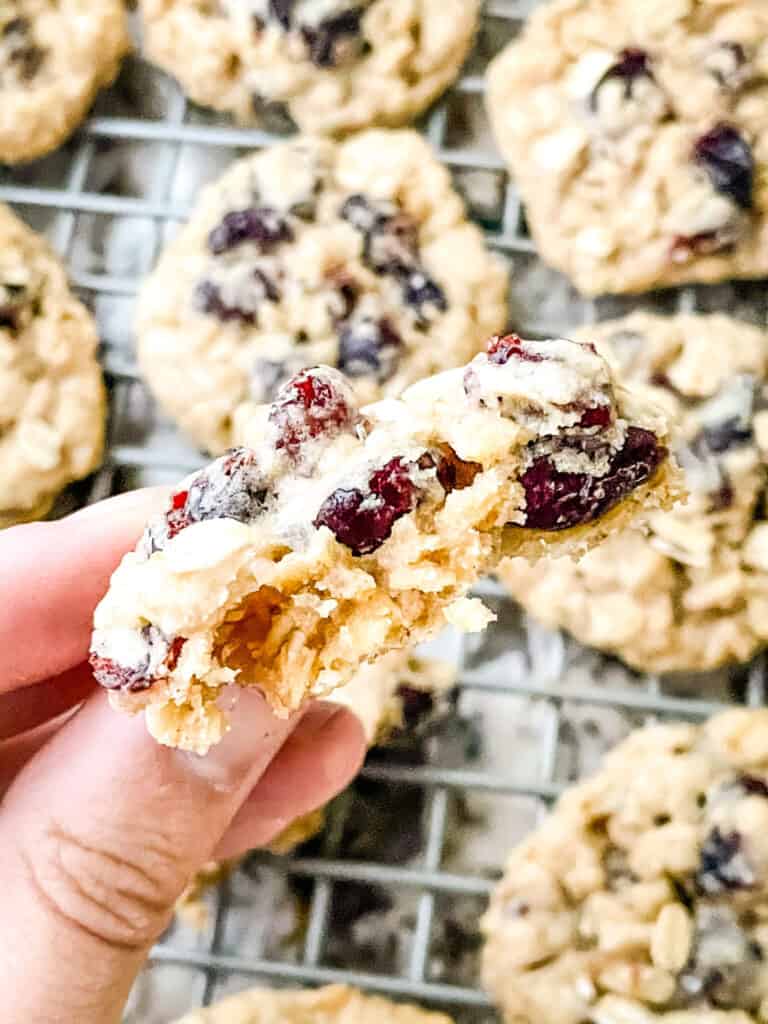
(98, 836)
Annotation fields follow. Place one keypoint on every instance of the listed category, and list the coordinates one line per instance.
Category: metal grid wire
(536, 710)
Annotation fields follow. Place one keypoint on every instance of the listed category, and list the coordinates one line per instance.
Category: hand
(100, 827)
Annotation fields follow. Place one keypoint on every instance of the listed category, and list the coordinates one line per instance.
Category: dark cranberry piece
(315, 403)
(174, 652)
(208, 300)
(112, 676)
(322, 40)
(728, 161)
(416, 704)
(390, 242)
(720, 437)
(722, 864)
(599, 416)
(556, 500)
(260, 224)
(503, 348)
(369, 348)
(363, 520)
(282, 11)
(687, 247)
(423, 295)
(753, 785)
(232, 487)
(631, 65)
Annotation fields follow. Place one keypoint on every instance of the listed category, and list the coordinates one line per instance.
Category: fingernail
(254, 737)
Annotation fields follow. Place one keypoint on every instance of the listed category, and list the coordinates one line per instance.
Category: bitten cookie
(51, 390)
(54, 58)
(356, 255)
(335, 1004)
(399, 691)
(693, 593)
(637, 131)
(335, 65)
(345, 533)
(644, 896)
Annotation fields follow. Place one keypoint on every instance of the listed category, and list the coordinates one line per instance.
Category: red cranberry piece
(722, 864)
(599, 416)
(727, 158)
(260, 224)
(315, 403)
(632, 65)
(503, 348)
(362, 521)
(160, 656)
(557, 501)
(112, 676)
(369, 348)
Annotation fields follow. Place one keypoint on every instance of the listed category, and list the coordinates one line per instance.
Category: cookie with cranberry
(51, 390)
(400, 693)
(332, 66)
(637, 131)
(357, 255)
(692, 593)
(644, 896)
(54, 58)
(335, 1004)
(342, 533)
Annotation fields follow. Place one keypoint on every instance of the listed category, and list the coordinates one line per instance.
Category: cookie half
(336, 66)
(357, 255)
(52, 403)
(54, 58)
(644, 896)
(637, 132)
(344, 533)
(335, 1004)
(693, 592)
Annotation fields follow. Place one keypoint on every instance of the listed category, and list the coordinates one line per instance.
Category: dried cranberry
(599, 416)
(112, 676)
(753, 785)
(174, 652)
(262, 225)
(727, 158)
(315, 403)
(631, 65)
(369, 348)
(722, 864)
(363, 520)
(687, 247)
(390, 237)
(322, 40)
(160, 656)
(232, 487)
(557, 500)
(423, 295)
(208, 300)
(503, 347)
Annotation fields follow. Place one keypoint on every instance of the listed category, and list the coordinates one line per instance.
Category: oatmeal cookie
(343, 533)
(51, 389)
(400, 691)
(357, 255)
(334, 66)
(693, 593)
(644, 895)
(55, 55)
(335, 1004)
(637, 131)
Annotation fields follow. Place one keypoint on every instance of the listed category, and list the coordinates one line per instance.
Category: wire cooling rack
(389, 896)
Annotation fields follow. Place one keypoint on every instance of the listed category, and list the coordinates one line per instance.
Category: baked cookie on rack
(357, 255)
(692, 593)
(644, 896)
(54, 58)
(637, 132)
(399, 692)
(335, 65)
(344, 532)
(52, 403)
(335, 1004)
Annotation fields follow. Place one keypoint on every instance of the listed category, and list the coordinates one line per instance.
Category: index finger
(52, 576)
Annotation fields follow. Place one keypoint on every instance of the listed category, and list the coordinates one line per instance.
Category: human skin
(100, 827)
